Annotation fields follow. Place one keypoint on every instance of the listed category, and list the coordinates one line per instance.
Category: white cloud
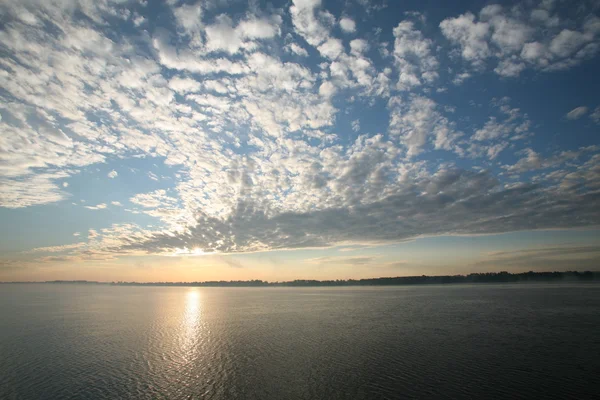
(510, 68)
(472, 36)
(158, 198)
(189, 17)
(296, 49)
(247, 138)
(577, 113)
(532, 160)
(566, 43)
(116, 203)
(347, 24)
(327, 89)
(515, 40)
(259, 28)
(314, 29)
(100, 206)
(332, 48)
(223, 36)
(439, 204)
(184, 85)
(413, 56)
(112, 174)
(595, 115)
(31, 190)
(417, 121)
(359, 46)
(509, 33)
(460, 78)
(58, 249)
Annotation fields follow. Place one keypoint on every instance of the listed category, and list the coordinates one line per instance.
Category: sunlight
(191, 324)
(192, 308)
(196, 251)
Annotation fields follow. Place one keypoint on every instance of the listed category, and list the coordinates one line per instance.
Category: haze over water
(458, 341)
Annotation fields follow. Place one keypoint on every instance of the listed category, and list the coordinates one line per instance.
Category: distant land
(489, 277)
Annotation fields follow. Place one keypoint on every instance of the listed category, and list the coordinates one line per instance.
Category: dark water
(102, 342)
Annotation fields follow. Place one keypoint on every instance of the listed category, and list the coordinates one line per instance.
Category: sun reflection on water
(191, 324)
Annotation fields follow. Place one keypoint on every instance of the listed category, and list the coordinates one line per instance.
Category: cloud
(189, 17)
(451, 202)
(595, 115)
(532, 160)
(413, 57)
(519, 38)
(184, 85)
(417, 121)
(31, 190)
(461, 77)
(564, 257)
(254, 148)
(500, 131)
(470, 35)
(577, 113)
(158, 198)
(58, 249)
(327, 89)
(223, 36)
(296, 49)
(337, 260)
(312, 25)
(347, 25)
(100, 206)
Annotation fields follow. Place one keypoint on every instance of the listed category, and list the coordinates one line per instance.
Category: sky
(223, 139)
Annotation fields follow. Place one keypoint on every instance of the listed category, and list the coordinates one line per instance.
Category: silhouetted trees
(486, 277)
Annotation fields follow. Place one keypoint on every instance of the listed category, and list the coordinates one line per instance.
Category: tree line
(486, 277)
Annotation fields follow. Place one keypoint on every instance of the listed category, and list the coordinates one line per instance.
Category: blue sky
(225, 139)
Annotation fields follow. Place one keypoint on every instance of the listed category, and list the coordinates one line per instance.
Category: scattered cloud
(296, 49)
(254, 127)
(100, 206)
(58, 249)
(338, 260)
(518, 38)
(577, 113)
(413, 56)
(565, 257)
(595, 115)
(347, 25)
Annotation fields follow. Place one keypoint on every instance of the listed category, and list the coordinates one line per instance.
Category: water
(482, 341)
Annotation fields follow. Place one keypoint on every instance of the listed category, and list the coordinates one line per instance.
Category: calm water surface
(106, 342)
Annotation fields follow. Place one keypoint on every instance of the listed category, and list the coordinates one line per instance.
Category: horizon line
(474, 277)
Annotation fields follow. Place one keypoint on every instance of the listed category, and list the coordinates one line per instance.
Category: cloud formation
(288, 127)
(518, 37)
(577, 113)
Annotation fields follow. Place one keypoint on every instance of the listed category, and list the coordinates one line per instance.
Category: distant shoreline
(493, 277)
